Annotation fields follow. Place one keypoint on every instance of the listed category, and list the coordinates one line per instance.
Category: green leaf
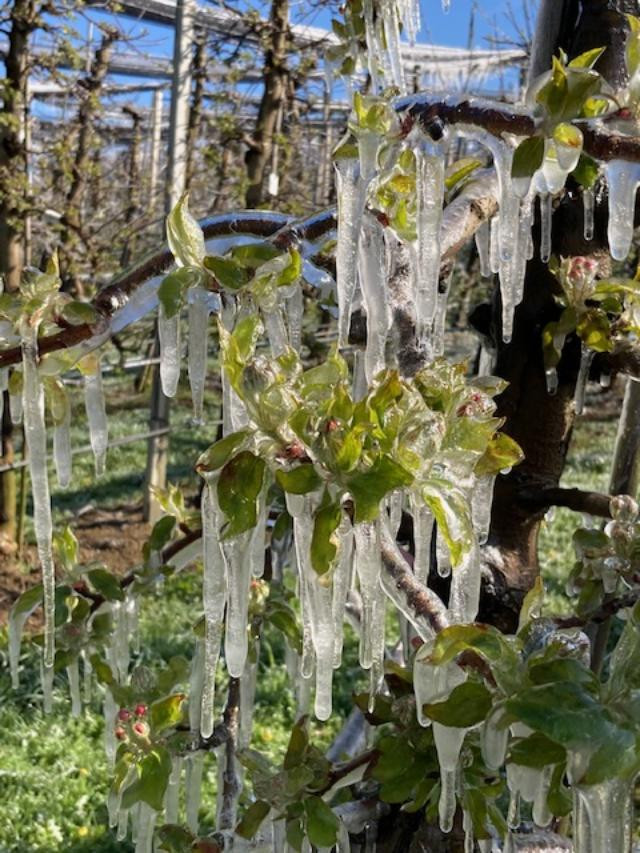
(214, 457)
(175, 839)
(369, 487)
(102, 670)
(528, 157)
(453, 515)
(228, 273)
(536, 751)
(77, 313)
(174, 286)
(239, 485)
(324, 543)
(299, 480)
(184, 235)
(253, 255)
(500, 651)
(632, 50)
(166, 713)
(322, 824)
(467, 705)
(502, 452)
(252, 819)
(106, 584)
(586, 172)
(161, 533)
(65, 546)
(298, 743)
(149, 787)
(458, 171)
(594, 330)
(28, 601)
(587, 59)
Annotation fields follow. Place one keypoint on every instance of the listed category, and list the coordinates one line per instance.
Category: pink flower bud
(124, 715)
(140, 710)
(120, 733)
(141, 729)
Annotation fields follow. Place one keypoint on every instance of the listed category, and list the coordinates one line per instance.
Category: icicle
(494, 739)
(258, 540)
(586, 358)
(464, 596)
(15, 408)
(123, 819)
(199, 307)
(448, 743)
(62, 449)
(214, 595)
(172, 795)
(392, 38)
(319, 606)
(36, 437)
(295, 313)
(193, 792)
(494, 245)
(422, 532)
(120, 641)
(169, 335)
(350, 210)
(481, 502)
(467, 825)
(341, 586)
(542, 815)
(368, 564)
(276, 331)
(16, 625)
(247, 698)
(343, 841)
(373, 282)
(73, 675)
(607, 805)
(432, 683)
(545, 227)
(440, 321)
(588, 202)
(146, 822)
(97, 417)
(447, 802)
(238, 567)
(86, 677)
(360, 386)
(196, 681)
(430, 175)
(551, 376)
(483, 247)
(622, 179)
(131, 613)
(110, 710)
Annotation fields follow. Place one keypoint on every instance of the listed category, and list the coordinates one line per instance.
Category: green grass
(53, 773)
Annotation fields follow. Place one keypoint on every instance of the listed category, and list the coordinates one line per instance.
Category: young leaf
(184, 235)
(166, 713)
(323, 541)
(252, 819)
(467, 705)
(322, 824)
(528, 157)
(239, 485)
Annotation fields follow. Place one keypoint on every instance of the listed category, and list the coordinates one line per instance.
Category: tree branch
(591, 503)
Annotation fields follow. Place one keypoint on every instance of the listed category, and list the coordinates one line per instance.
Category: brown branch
(591, 503)
(606, 610)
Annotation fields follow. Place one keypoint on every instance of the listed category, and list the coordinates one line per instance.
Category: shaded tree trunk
(133, 181)
(275, 88)
(195, 113)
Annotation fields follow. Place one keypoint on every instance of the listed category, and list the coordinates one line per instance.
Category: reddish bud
(331, 425)
(124, 715)
(141, 729)
(140, 710)
(416, 642)
(120, 733)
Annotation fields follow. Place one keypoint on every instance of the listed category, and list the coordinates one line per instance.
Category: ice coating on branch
(193, 790)
(607, 805)
(588, 201)
(214, 596)
(430, 175)
(368, 566)
(586, 357)
(62, 449)
(623, 178)
(422, 531)
(317, 595)
(373, 283)
(73, 674)
(96, 416)
(351, 191)
(464, 596)
(481, 501)
(199, 307)
(482, 238)
(169, 335)
(35, 432)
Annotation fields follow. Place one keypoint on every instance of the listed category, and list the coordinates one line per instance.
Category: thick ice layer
(36, 437)
(608, 807)
(622, 179)
(238, 564)
(342, 577)
(464, 596)
(373, 283)
(481, 501)
(169, 335)
(295, 311)
(430, 175)
(276, 331)
(422, 531)
(97, 417)
(351, 198)
(199, 308)
(214, 596)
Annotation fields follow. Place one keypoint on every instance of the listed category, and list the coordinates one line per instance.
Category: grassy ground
(53, 775)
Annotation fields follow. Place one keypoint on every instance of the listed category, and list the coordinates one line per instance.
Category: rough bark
(273, 97)
(195, 112)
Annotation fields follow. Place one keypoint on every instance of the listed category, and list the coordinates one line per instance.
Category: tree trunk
(89, 106)
(13, 192)
(195, 113)
(275, 88)
(133, 196)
